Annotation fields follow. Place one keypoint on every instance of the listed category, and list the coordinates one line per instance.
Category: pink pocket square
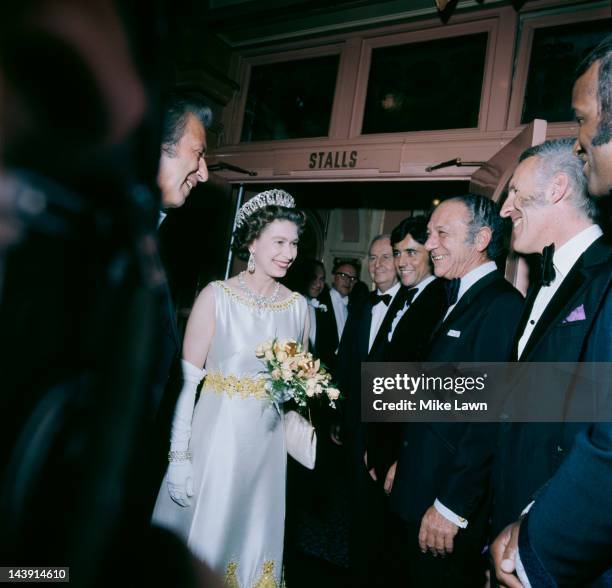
(576, 315)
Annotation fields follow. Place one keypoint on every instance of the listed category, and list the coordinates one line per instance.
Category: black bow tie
(452, 290)
(548, 269)
(409, 296)
(375, 298)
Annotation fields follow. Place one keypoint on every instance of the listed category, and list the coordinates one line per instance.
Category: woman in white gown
(224, 491)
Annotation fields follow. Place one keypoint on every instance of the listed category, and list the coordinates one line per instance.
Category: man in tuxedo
(364, 339)
(330, 325)
(441, 487)
(181, 167)
(565, 537)
(424, 305)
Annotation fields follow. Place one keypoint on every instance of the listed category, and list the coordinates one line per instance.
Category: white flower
(269, 355)
(333, 393)
(276, 374)
(317, 305)
(281, 356)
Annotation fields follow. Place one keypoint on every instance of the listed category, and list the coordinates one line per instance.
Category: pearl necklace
(259, 299)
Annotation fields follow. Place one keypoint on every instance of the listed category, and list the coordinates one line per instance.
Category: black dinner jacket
(566, 539)
(354, 350)
(530, 453)
(326, 336)
(410, 337)
(451, 461)
(414, 330)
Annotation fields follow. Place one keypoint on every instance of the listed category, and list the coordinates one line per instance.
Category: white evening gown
(237, 515)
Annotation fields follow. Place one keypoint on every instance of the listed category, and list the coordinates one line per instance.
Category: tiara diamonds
(275, 196)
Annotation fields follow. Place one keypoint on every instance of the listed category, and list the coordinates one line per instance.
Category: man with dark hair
(182, 163)
(181, 167)
(336, 299)
(424, 305)
(566, 318)
(444, 507)
(592, 104)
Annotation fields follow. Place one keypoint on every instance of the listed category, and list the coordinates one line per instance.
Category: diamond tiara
(269, 197)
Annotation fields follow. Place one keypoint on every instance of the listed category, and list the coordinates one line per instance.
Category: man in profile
(566, 536)
(181, 167)
(445, 508)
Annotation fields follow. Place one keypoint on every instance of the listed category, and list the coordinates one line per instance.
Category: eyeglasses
(346, 276)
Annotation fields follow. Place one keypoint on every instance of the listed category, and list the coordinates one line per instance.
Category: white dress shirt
(160, 220)
(340, 304)
(563, 261)
(400, 313)
(379, 311)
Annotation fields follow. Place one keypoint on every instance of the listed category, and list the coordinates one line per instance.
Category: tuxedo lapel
(529, 301)
(466, 300)
(169, 317)
(383, 331)
(364, 331)
(554, 312)
(329, 317)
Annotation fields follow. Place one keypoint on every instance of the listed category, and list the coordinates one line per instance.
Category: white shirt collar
(422, 285)
(335, 294)
(568, 254)
(162, 216)
(393, 290)
(473, 276)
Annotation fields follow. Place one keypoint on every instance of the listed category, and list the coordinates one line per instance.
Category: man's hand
(503, 552)
(437, 533)
(388, 486)
(372, 471)
(335, 434)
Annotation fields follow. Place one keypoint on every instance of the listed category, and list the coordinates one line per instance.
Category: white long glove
(180, 473)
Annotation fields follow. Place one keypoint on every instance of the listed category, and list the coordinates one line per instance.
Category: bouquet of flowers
(295, 374)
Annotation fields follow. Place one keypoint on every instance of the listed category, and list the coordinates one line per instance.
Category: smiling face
(317, 283)
(448, 241)
(596, 154)
(275, 248)
(182, 168)
(526, 206)
(411, 261)
(380, 264)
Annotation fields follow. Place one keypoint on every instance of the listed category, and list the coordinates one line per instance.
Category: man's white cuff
(527, 508)
(447, 513)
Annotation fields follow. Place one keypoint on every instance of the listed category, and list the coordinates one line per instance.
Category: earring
(251, 263)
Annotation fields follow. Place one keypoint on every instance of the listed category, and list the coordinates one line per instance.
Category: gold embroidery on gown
(231, 581)
(266, 580)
